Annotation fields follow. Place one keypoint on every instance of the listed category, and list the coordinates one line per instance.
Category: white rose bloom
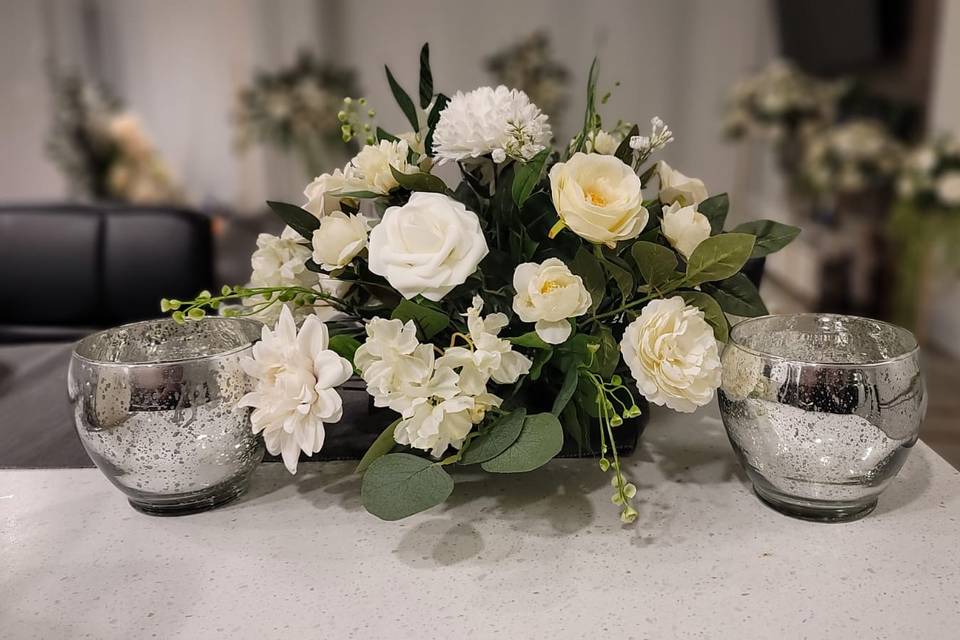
(923, 160)
(599, 198)
(676, 187)
(321, 193)
(372, 165)
(391, 359)
(672, 355)
(428, 246)
(948, 188)
(603, 143)
(339, 239)
(548, 294)
(684, 227)
(296, 375)
(501, 122)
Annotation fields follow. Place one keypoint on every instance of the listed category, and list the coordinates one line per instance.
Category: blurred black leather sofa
(66, 269)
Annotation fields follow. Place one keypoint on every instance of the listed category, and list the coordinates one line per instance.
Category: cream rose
(948, 188)
(599, 198)
(339, 239)
(672, 355)
(684, 227)
(372, 165)
(548, 294)
(676, 187)
(321, 193)
(603, 143)
(428, 246)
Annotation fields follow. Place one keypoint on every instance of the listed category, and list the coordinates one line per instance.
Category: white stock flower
(296, 375)
(391, 358)
(372, 165)
(339, 239)
(684, 227)
(948, 188)
(676, 187)
(502, 122)
(428, 246)
(672, 355)
(435, 426)
(599, 198)
(321, 193)
(548, 294)
(660, 136)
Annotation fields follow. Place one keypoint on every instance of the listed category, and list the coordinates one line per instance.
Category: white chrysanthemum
(501, 122)
(295, 393)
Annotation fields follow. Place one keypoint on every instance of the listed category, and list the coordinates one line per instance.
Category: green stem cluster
(265, 297)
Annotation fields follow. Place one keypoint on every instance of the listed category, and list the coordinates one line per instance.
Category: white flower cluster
(439, 399)
(930, 174)
(500, 122)
(851, 157)
(660, 136)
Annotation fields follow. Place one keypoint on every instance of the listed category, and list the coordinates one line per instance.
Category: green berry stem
(301, 296)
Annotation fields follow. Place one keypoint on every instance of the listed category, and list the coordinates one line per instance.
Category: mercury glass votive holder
(155, 405)
(822, 410)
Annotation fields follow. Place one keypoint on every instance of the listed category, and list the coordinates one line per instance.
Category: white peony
(672, 354)
(391, 360)
(372, 165)
(676, 187)
(296, 375)
(501, 122)
(548, 294)
(948, 188)
(684, 227)
(339, 239)
(322, 193)
(599, 198)
(428, 246)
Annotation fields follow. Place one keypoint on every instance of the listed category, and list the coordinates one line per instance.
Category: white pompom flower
(501, 122)
(296, 378)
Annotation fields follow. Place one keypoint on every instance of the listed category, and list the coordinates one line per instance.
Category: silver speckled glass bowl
(822, 410)
(155, 405)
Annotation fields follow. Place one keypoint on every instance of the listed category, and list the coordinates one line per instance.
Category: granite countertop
(540, 555)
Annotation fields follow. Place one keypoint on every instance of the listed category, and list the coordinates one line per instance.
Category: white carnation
(322, 198)
(372, 165)
(501, 122)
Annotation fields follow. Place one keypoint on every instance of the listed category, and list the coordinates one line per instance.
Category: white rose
(672, 355)
(923, 160)
(548, 294)
(676, 187)
(603, 143)
(684, 227)
(428, 246)
(372, 165)
(321, 198)
(339, 239)
(599, 198)
(948, 188)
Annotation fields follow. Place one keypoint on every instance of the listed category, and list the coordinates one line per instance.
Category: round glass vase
(155, 406)
(822, 410)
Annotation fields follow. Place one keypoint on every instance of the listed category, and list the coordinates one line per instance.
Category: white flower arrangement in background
(851, 157)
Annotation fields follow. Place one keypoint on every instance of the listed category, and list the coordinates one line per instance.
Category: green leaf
(429, 321)
(540, 358)
(432, 119)
(608, 355)
(344, 346)
(300, 220)
(406, 104)
(738, 296)
(530, 340)
(566, 390)
(586, 265)
(712, 312)
(527, 176)
(380, 447)
(540, 440)
(771, 235)
(426, 77)
(496, 438)
(581, 349)
(398, 485)
(621, 275)
(572, 425)
(715, 208)
(718, 258)
(363, 195)
(586, 397)
(657, 263)
(384, 135)
(590, 110)
(419, 181)
(624, 153)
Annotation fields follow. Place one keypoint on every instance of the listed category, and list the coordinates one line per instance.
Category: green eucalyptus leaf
(398, 485)
(530, 340)
(715, 209)
(619, 270)
(380, 447)
(419, 181)
(496, 438)
(712, 312)
(403, 99)
(737, 295)
(298, 219)
(426, 77)
(718, 257)
(429, 321)
(527, 177)
(657, 263)
(540, 440)
(771, 235)
(566, 390)
(586, 265)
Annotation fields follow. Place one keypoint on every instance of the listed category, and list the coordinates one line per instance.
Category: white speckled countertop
(535, 556)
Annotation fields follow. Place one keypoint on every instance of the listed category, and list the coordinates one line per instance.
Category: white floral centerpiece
(851, 157)
(538, 300)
